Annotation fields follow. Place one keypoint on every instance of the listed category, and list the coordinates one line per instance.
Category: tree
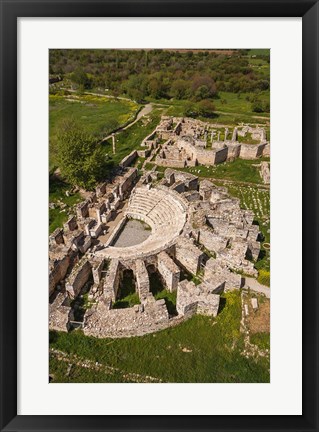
(206, 108)
(259, 107)
(203, 86)
(136, 87)
(179, 89)
(156, 88)
(81, 159)
(190, 110)
(81, 78)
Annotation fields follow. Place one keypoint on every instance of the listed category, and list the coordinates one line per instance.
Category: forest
(142, 75)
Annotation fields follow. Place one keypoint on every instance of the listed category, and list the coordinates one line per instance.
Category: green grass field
(231, 108)
(98, 115)
(259, 51)
(238, 103)
(238, 170)
(262, 340)
(201, 349)
(131, 138)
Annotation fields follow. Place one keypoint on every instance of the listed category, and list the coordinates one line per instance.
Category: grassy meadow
(201, 349)
(230, 108)
(131, 138)
(99, 115)
(239, 170)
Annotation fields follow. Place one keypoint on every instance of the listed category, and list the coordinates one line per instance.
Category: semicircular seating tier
(164, 210)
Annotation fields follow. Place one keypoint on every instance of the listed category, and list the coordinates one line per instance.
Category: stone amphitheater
(200, 243)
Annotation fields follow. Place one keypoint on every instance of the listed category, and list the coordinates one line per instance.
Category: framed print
(163, 157)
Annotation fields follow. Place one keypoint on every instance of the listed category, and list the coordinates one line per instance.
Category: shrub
(206, 108)
(264, 277)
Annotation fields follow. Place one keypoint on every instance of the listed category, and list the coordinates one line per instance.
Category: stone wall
(206, 157)
(254, 249)
(211, 241)
(78, 278)
(190, 181)
(59, 314)
(168, 270)
(71, 224)
(192, 196)
(265, 172)
(128, 181)
(266, 151)
(100, 189)
(205, 189)
(192, 299)
(57, 237)
(116, 232)
(185, 302)
(215, 271)
(58, 272)
(82, 209)
(221, 156)
(97, 270)
(125, 162)
(169, 162)
(142, 281)
(112, 280)
(188, 255)
(100, 321)
(233, 151)
(144, 153)
(251, 151)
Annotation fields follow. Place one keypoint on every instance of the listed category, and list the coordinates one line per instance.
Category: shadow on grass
(127, 295)
(222, 304)
(53, 336)
(261, 255)
(56, 184)
(171, 307)
(121, 304)
(159, 292)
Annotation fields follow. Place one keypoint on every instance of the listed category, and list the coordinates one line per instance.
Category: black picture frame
(10, 11)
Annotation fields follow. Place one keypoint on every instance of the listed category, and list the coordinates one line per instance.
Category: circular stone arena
(163, 210)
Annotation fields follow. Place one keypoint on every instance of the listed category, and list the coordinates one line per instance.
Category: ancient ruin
(197, 240)
(185, 142)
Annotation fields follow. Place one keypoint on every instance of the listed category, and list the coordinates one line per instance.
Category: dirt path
(254, 285)
(144, 111)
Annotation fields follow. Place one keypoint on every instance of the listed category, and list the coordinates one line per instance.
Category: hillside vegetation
(194, 75)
